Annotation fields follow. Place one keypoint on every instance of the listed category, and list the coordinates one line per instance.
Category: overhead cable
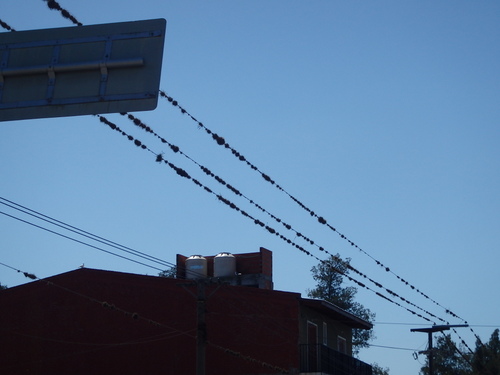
(222, 142)
(80, 242)
(181, 172)
(390, 347)
(88, 235)
(26, 274)
(6, 26)
(54, 5)
(81, 232)
(136, 316)
(464, 357)
(220, 180)
(136, 121)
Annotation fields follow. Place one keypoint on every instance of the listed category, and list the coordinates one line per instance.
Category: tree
(171, 272)
(378, 370)
(329, 277)
(486, 358)
(448, 359)
(2, 287)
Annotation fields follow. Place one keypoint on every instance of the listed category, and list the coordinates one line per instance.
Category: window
(341, 344)
(325, 334)
(312, 333)
(312, 341)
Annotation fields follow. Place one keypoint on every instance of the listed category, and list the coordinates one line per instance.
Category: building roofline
(336, 312)
(320, 305)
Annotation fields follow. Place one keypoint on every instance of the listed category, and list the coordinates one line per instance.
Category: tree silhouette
(329, 278)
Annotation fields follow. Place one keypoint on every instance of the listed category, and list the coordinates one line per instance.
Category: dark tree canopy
(486, 358)
(171, 272)
(329, 278)
(450, 359)
(377, 370)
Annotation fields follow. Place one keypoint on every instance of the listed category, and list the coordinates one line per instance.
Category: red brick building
(90, 321)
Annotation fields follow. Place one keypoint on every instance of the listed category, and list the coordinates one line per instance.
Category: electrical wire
(145, 340)
(136, 316)
(181, 172)
(26, 274)
(422, 324)
(136, 121)
(91, 236)
(222, 142)
(64, 225)
(54, 5)
(81, 232)
(173, 332)
(390, 347)
(80, 242)
(6, 26)
(450, 342)
(176, 149)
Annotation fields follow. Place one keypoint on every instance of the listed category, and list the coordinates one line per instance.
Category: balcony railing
(321, 358)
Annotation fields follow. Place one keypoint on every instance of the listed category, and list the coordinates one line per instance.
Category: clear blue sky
(382, 117)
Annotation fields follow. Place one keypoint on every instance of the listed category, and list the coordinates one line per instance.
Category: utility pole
(201, 328)
(430, 331)
(201, 324)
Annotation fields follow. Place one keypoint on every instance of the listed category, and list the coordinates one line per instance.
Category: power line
(86, 234)
(222, 142)
(136, 316)
(423, 324)
(402, 324)
(6, 26)
(54, 5)
(176, 149)
(136, 121)
(80, 242)
(26, 274)
(66, 14)
(81, 232)
(181, 172)
(390, 347)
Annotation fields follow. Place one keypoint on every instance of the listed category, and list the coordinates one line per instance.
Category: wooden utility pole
(201, 328)
(430, 331)
(201, 325)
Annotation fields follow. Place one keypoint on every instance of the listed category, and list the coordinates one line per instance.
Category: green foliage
(377, 370)
(486, 358)
(171, 272)
(450, 360)
(329, 278)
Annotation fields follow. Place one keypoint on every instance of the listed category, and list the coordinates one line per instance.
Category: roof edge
(322, 305)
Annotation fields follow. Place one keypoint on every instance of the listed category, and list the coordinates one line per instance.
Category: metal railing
(321, 358)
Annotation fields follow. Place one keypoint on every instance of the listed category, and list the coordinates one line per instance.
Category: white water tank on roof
(224, 265)
(196, 267)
